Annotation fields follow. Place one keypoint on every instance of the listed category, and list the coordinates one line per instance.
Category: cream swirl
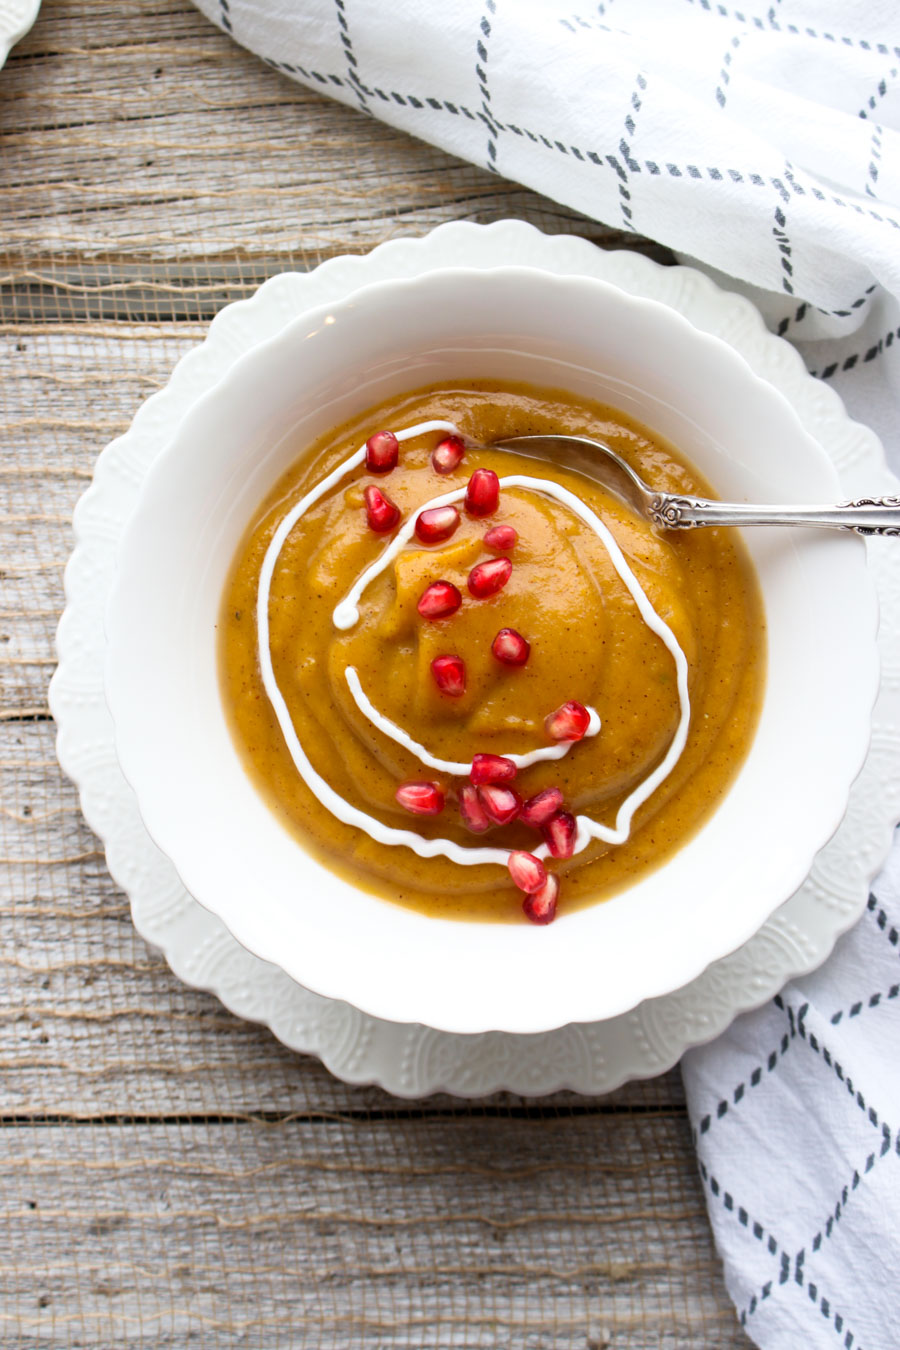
(346, 615)
(454, 766)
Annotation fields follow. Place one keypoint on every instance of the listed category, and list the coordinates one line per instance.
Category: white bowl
(237, 860)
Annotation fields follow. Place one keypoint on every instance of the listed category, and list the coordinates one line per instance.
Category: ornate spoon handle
(869, 515)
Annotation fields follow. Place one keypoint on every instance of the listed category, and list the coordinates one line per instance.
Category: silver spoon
(868, 515)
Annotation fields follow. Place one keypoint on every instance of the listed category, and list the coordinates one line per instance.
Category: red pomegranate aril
(501, 538)
(436, 524)
(526, 870)
(489, 577)
(381, 513)
(510, 647)
(559, 832)
(540, 906)
(448, 455)
(382, 452)
(492, 769)
(483, 493)
(449, 675)
(470, 809)
(422, 799)
(569, 722)
(500, 804)
(438, 600)
(541, 807)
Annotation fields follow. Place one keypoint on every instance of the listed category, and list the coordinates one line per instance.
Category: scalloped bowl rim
(390, 998)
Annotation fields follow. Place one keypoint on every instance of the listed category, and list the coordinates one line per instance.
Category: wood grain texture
(170, 1174)
(461, 1232)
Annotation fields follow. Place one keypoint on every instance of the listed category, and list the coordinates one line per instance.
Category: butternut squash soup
(475, 682)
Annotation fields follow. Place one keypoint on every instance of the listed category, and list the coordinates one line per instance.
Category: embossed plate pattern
(414, 1060)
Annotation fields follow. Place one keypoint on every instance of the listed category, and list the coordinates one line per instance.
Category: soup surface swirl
(352, 663)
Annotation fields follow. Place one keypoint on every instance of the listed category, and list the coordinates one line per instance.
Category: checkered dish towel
(762, 142)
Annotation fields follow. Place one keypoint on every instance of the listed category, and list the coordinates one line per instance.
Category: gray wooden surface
(171, 1175)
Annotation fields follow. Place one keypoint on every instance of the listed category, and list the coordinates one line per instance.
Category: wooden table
(171, 1174)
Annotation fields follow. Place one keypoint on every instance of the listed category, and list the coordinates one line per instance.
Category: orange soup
(481, 698)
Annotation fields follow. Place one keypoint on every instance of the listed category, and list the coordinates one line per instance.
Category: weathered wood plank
(475, 1232)
(64, 395)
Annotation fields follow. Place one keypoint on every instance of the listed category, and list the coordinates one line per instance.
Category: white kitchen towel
(796, 1117)
(763, 142)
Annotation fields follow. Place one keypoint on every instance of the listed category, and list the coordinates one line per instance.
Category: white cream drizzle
(454, 766)
(346, 614)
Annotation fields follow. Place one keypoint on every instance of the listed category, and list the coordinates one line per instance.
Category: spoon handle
(868, 515)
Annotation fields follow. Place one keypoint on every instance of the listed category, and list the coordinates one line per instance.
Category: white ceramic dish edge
(390, 972)
(409, 1060)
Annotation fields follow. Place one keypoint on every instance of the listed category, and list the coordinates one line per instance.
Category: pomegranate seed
(569, 722)
(501, 537)
(438, 600)
(559, 832)
(510, 647)
(500, 804)
(449, 675)
(473, 816)
(382, 451)
(446, 456)
(492, 769)
(422, 799)
(437, 524)
(483, 493)
(540, 906)
(539, 808)
(526, 870)
(381, 513)
(489, 577)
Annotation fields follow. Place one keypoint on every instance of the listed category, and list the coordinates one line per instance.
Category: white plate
(16, 17)
(412, 1060)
